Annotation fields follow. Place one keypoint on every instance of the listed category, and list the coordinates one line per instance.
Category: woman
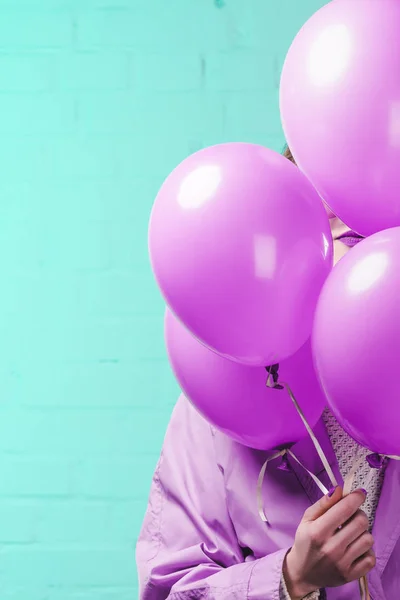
(202, 536)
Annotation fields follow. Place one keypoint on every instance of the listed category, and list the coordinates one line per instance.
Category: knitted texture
(347, 452)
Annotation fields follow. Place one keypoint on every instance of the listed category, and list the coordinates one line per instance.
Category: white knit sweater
(347, 452)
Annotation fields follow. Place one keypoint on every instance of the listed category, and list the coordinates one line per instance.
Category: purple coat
(202, 536)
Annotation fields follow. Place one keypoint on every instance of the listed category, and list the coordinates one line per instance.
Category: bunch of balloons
(340, 109)
(241, 248)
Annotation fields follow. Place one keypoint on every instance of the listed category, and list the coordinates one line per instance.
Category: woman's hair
(288, 154)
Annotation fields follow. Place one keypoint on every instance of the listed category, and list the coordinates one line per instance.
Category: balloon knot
(284, 464)
(273, 377)
(376, 461)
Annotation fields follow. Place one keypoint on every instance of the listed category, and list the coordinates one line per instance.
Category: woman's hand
(332, 546)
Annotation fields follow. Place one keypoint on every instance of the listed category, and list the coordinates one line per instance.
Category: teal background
(99, 100)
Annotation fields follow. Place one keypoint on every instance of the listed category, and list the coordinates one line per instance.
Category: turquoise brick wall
(99, 100)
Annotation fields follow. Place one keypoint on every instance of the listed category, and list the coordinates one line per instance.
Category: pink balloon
(240, 246)
(356, 342)
(235, 398)
(340, 109)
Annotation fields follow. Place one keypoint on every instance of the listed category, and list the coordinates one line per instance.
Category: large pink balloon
(235, 398)
(240, 246)
(356, 342)
(340, 109)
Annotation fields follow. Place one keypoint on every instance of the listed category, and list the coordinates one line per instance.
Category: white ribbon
(261, 476)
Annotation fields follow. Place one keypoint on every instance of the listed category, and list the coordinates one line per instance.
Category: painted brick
(11, 591)
(179, 72)
(157, 158)
(82, 71)
(148, 25)
(34, 30)
(9, 386)
(85, 157)
(93, 385)
(68, 593)
(131, 253)
(240, 70)
(50, 245)
(129, 514)
(107, 199)
(99, 101)
(90, 340)
(103, 297)
(18, 521)
(111, 112)
(17, 204)
(36, 113)
(25, 72)
(108, 29)
(72, 434)
(75, 522)
(56, 6)
(40, 158)
(115, 593)
(141, 116)
(253, 113)
(78, 566)
(77, 295)
(119, 479)
(25, 158)
(35, 476)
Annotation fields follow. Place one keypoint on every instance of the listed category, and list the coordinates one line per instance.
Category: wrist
(296, 586)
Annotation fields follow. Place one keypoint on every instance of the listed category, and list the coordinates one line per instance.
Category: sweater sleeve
(187, 548)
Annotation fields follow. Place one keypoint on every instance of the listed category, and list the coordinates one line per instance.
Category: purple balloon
(356, 342)
(340, 109)
(240, 246)
(235, 398)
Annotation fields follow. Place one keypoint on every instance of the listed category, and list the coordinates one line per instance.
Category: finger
(353, 529)
(323, 505)
(359, 548)
(362, 566)
(342, 511)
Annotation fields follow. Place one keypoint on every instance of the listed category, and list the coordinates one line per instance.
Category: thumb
(323, 505)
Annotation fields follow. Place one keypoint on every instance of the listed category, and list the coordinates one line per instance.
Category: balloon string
(261, 476)
(363, 581)
(260, 482)
(272, 382)
(389, 456)
(273, 372)
(364, 588)
(313, 437)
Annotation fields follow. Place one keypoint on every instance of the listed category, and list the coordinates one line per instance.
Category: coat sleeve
(187, 548)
